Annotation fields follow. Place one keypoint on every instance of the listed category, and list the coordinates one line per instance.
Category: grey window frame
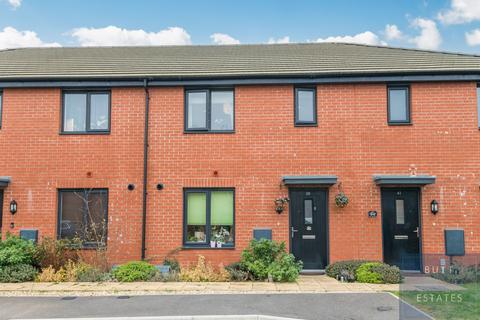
(208, 122)
(86, 245)
(478, 105)
(299, 123)
(1, 108)
(88, 94)
(208, 226)
(405, 87)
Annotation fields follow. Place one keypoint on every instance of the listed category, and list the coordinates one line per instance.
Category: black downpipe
(145, 171)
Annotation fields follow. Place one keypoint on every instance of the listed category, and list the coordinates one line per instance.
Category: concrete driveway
(350, 306)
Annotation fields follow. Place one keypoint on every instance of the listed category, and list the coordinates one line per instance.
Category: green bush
(17, 273)
(15, 250)
(90, 273)
(265, 259)
(345, 269)
(459, 274)
(366, 274)
(237, 272)
(134, 271)
(388, 274)
(285, 268)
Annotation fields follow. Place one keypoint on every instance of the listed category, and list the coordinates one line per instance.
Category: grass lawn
(463, 304)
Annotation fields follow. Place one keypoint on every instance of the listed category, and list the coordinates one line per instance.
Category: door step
(312, 271)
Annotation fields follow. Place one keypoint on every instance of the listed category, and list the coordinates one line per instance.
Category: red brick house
(184, 150)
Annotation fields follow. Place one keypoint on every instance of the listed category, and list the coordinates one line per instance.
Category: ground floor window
(209, 217)
(83, 215)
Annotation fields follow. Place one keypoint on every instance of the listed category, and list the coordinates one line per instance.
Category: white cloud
(15, 3)
(115, 36)
(13, 38)
(285, 39)
(222, 38)
(461, 11)
(392, 32)
(473, 37)
(366, 37)
(429, 38)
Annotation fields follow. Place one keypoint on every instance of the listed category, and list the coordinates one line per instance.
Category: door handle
(417, 232)
(293, 231)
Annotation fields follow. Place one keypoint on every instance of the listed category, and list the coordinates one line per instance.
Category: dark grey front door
(308, 229)
(401, 229)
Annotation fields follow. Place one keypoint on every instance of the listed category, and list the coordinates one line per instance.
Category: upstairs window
(398, 105)
(209, 110)
(83, 215)
(86, 112)
(305, 107)
(478, 105)
(1, 101)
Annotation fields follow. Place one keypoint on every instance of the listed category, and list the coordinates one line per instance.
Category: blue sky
(451, 25)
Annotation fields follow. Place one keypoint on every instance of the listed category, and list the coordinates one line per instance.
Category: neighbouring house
(188, 150)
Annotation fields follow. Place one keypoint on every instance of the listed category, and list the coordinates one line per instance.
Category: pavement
(305, 284)
(325, 306)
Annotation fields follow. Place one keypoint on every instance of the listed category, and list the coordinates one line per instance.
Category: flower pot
(219, 244)
(212, 244)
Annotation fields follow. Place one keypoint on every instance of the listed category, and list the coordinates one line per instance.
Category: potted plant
(341, 199)
(280, 204)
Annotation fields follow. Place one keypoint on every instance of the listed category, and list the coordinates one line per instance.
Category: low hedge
(134, 271)
(17, 273)
(364, 271)
(345, 269)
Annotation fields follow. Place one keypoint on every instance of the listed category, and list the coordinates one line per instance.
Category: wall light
(434, 206)
(13, 207)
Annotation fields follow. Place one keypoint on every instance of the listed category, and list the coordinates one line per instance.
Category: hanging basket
(341, 200)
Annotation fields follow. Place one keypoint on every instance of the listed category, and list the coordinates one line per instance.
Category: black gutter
(159, 82)
(145, 171)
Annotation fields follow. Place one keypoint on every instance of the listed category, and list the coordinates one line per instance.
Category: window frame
(208, 226)
(1, 108)
(208, 128)
(85, 245)
(478, 105)
(88, 94)
(407, 121)
(297, 122)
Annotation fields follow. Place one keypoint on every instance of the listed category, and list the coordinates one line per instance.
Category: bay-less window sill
(187, 247)
(393, 124)
(84, 133)
(207, 132)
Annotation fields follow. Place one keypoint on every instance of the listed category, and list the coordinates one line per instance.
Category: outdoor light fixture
(434, 206)
(13, 207)
(160, 186)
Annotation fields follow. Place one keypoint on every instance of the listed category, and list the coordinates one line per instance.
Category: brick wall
(352, 141)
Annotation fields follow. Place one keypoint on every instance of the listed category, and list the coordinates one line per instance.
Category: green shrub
(459, 274)
(366, 274)
(237, 272)
(345, 269)
(15, 250)
(265, 259)
(388, 274)
(17, 273)
(285, 269)
(134, 271)
(90, 273)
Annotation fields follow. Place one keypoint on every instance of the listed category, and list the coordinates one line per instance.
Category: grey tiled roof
(232, 61)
